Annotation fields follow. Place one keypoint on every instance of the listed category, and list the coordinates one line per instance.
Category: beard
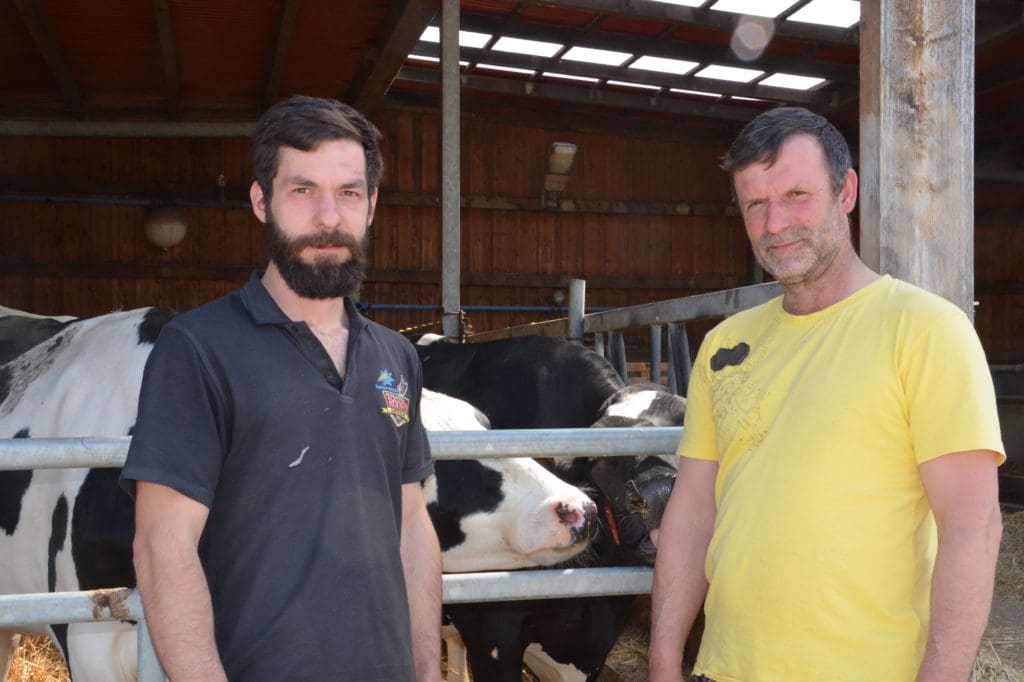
(324, 277)
(817, 251)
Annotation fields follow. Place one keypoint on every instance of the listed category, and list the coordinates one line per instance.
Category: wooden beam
(589, 96)
(380, 68)
(705, 18)
(281, 43)
(818, 98)
(917, 143)
(42, 35)
(168, 56)
(660, 47)
(182, 271)
(191, 196)
(570, 118)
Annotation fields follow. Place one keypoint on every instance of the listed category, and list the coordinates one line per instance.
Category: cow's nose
(576, 515)
(581, 520)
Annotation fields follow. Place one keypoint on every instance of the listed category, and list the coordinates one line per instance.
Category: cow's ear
(259, 201)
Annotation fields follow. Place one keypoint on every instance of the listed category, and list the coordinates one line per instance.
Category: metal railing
(123, 604)
(671, 314)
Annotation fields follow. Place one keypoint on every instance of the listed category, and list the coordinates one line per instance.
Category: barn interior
(122, 117)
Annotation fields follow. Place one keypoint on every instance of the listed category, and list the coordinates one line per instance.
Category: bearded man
(277, 458)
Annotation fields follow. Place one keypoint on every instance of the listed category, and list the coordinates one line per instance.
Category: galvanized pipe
(58, 453)
(451, 177)
(70, 607)
(655, 353)
(460, 588)
(577, 308)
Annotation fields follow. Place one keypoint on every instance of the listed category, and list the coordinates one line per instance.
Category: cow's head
(500, 514)
(634, 490)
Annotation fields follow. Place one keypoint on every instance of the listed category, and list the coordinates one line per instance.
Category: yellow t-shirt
(821, 560)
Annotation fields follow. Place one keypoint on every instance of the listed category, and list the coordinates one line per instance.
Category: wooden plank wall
(621, 228)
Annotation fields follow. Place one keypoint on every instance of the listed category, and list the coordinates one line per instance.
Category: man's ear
(848, 194)
(259, 202)
(373, 208)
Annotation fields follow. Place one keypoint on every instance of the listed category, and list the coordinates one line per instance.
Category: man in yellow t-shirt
(837, 502)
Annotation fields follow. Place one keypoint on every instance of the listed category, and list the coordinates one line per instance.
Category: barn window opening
(839, 13)
(729, 73)
(594, 56)
(536, 48)
(756, 8)
(676, 67)
(432, 34)
(792, 81)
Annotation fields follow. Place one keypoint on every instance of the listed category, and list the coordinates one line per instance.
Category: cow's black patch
(725, 357)
(5, 383)
(152, 322)
(463, 488)
(18, 333)
(58, 533)
(102, 528)
(13, 485)
(60, 633)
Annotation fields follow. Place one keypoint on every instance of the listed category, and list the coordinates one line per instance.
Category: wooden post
(917, 143)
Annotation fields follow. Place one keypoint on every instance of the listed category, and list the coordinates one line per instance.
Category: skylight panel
(684, 3)
(537, 48)
(699, 93)
(841, 13)
(506, 69)
(757, 8)
(432, 34)
(432, 60)
(593, 55)
(729, 73)
(678, 67)
(569, 77)
(791, 81)
(636, 86)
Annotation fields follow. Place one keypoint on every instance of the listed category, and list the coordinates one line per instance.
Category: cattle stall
(123, 604)
(117, 110)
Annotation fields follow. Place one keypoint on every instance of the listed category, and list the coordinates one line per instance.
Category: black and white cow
(541, 382)
(71, 529)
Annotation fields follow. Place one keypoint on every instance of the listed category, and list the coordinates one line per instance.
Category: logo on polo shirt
(396, 398)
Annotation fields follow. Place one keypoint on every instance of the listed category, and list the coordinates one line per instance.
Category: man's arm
(421, 563)
(175, 595)
(679, 581)
(963, 492)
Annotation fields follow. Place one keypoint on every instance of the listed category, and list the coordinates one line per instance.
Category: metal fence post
(577, 308)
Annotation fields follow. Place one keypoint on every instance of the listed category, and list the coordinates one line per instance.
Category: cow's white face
(540, 521)
(509, 513)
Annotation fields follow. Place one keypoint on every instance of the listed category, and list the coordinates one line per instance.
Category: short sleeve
(699, 439)
(951, 404)
(417, 463)
(179, 439)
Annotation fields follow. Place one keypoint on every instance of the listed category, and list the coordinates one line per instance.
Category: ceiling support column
(451, 189)
(917, 143)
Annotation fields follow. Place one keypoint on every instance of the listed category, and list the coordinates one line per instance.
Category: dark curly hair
(303, 123)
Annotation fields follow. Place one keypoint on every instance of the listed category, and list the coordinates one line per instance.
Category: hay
(1010, 569)
(37, 660)
(990, 668)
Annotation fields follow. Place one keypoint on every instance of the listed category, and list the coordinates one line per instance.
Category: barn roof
(181, 62)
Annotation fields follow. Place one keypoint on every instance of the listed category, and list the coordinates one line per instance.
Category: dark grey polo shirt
(242, 410)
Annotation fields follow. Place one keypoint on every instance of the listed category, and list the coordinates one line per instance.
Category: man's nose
(328, 212)
(776, 217)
